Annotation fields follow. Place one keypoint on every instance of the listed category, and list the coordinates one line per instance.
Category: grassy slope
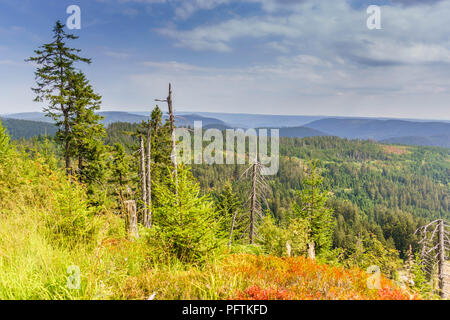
(45, 227)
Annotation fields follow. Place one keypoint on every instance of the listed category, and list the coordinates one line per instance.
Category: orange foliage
(257, 293)
(299, 278)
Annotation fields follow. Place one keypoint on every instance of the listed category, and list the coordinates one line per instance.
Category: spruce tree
(311, 206)
(161, 141)
(56, 64)
(120, 168)
(87, 132)
(185, 221)
(228, 206)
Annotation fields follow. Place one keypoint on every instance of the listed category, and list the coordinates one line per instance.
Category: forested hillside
(387, 190)
(50, 226)
(401, 132)
(112, 212)
(382, 189)
(25, 129)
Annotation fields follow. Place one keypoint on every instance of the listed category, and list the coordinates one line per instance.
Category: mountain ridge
(427, 133)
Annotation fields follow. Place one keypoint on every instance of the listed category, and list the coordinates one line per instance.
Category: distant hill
(300, 132)
(120, 116)
(383, 130)
(434, 141)
(31, 116)
(186, 120)
(109, 116)
(27, 129)
(427, 133)
(20, 126)
(220, 127)
(243, 120)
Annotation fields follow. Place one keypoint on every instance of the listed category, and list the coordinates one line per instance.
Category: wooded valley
(111, 203)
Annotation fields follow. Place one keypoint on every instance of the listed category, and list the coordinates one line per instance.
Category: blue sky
(304, 57)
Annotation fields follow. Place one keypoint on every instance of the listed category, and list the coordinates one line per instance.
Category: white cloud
(303, 84)
(116, 54)
(415, 53)
(321, 59)
(332, 28)
(184, 9)
(311, 57)
(219, 37)
(174, 66)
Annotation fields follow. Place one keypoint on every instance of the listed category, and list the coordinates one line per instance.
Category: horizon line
(263, 114)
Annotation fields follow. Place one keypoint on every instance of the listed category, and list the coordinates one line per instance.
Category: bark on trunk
(172, 131)
(131, 218)
(148, 221)
(230, 237)
(311, 251)
(253, 205)
(441, 258)
(67, 142)
(143, 180)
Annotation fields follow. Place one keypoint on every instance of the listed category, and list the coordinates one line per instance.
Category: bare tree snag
(131, 218)
(172, 130)
(409, 264)
(311, 251)
(435, 247)
(441, 267)
(257, 194)
(148, 220)
(253, 205)
(233, 221)
(143, 178)
(288, 248)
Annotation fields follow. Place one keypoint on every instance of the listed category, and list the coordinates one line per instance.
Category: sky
(294, 57)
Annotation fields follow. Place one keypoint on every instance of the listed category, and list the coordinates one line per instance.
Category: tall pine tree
(56, 64)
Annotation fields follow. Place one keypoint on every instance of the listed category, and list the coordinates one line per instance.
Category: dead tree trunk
(67, 142)
(409, 264)
(233, 221)
(311, 251)
(435, 245)
(257, 195)
(253, 205)
(172, 131)
(131, 218)
(143, 178)
(148, 220)
(288, 249)
(441, 267)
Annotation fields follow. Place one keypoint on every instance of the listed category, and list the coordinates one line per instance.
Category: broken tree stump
(131, 218)
(311, 251)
